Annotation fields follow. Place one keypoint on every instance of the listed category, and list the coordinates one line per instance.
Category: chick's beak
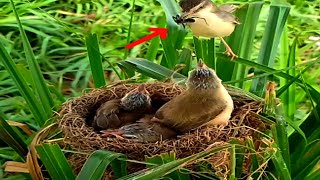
(142, 89)
(201, 65)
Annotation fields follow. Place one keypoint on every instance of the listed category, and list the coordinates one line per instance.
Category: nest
(79, 136)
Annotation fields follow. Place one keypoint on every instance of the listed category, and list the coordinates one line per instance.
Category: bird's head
(203, 78)
(192, 6)
(138, 98)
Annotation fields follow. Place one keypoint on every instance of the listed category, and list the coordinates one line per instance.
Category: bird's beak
(201, 65)
(142, 89)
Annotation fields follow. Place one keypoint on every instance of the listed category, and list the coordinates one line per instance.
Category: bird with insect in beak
(118, 112)
(206, 19)
(204, 102)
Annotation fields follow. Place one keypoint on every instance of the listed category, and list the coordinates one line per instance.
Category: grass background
(64, 42)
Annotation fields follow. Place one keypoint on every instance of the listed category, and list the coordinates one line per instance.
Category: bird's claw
(229, 52)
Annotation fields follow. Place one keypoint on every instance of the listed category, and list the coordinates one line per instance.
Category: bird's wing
(106, 115)
(227, 16)
(146, 132)
(183, 116)
(230, 8)
(109, 107)
(204, 115)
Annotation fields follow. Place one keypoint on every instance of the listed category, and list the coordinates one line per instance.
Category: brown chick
(118, 112)
(205, 102)
(142, 131)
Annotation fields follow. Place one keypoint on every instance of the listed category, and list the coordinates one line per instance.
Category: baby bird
(118, 112)
(143, 130)
(206, 19)
(205, 102)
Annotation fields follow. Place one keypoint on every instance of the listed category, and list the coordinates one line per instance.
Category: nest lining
(75, 115)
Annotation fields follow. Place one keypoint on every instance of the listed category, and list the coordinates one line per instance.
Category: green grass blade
(176, 34)
(280, 164)
(289, 83)
(233, 162)
(198, 48)
(41, 86)
(95, 60)
(314, 175)
(167, 168)
(297, 144)
(290, 103)
(306, 163)
(253, 157)
(95, 166)
(11, 138)
(55, 162)
(211, 51)
(163, 159)
(186, 59)
(241, 42)
(154, 45)
(277, 18)
(239, 156)
(150, 69)
(281, 135)
(130, 27)
(313, 92)
(34, 105)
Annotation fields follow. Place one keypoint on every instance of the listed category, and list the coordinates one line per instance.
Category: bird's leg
(229, 51)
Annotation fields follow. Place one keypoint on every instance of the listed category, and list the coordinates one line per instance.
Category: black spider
(183, 20)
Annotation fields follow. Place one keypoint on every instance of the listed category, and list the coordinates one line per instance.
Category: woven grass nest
(79, 136)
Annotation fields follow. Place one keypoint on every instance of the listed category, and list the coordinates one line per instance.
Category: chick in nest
(143, 130)
(118, 112)
(205, 102)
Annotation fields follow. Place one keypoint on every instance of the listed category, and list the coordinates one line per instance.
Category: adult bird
(205, 102)
(206, 19)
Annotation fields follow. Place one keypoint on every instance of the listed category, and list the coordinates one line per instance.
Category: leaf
(241, 42)
(186, 59)
(95, 60)
(150, 69)
(167, 168)
(176, 34)
(310, 157)
(40, 84)
(278, 14)
(280, 134)
(239, 156)
(11, 138)
(233, 162)
(163, 159)
(95, 166)
(33, 103)
(15, 167)
(253, 156)
(280, 164)
(55, 162)
(313, 92)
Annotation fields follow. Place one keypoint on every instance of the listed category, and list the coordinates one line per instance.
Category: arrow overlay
(162, 32)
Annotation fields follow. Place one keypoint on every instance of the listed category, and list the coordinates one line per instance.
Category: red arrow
(162, 32)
